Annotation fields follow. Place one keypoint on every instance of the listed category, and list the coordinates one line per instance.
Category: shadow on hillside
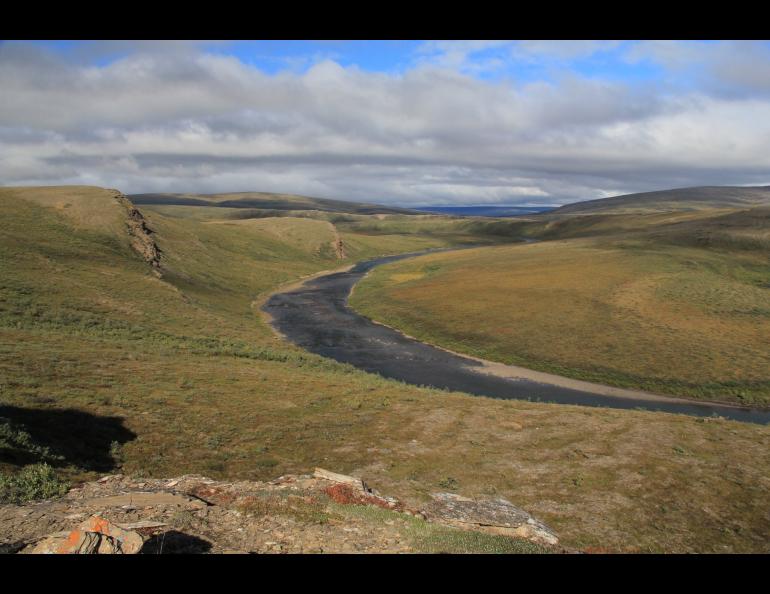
(174, 542)
(60, 437)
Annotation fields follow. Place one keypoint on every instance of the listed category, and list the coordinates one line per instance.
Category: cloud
(729, 69)
(190, 120)
(489, 55)
(561, 50)
(460, 55)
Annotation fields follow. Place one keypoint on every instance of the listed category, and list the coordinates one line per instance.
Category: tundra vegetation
(672, 304)
(105, 365)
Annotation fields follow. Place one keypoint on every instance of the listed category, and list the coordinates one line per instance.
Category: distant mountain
(267, 200)
(680, 199)
(485, 211)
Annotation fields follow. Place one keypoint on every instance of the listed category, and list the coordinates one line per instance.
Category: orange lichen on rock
(346, 495)
(96, 536)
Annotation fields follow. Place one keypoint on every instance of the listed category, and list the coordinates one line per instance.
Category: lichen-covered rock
(495, 516)
(195, 514)
(95, 536)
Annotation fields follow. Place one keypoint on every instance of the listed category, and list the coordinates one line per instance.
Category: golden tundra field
(105, 367)
(644, 310)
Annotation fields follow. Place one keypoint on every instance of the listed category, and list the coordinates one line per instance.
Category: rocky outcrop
(339, 248)
(140, 234)
(291, 514)
(494, 516)
(95, 536)
(352, 490)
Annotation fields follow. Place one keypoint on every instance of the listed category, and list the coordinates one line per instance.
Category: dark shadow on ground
(60, 437)
(9, 548)
(174, 542)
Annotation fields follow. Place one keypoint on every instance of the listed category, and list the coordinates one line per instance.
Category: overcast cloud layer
(461, 123)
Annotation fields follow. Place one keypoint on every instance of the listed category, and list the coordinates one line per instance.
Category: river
(316, 317)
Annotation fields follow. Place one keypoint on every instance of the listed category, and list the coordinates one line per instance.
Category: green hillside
(670, 302)
(109, 364)
(704, 197)
(266, 201)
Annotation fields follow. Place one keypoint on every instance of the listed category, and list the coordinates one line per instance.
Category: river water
(317, 318)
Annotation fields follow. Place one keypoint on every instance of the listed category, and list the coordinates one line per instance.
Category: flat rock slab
(495, 516)
(145, 499)
(354, 482)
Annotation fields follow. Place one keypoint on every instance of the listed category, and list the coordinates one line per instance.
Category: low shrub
(36, 481)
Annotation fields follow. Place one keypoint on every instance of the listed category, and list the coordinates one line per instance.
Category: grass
(184, 376)
(632, 311)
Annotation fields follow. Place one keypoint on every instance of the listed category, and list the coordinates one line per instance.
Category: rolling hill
(486, 211)
(663, 291)
(682, 199)
(266, 201)
(106, 366)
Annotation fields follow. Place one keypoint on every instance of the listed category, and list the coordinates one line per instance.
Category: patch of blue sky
(59, 46)
(611, 64)
(273, 56)
(607, 63)
(504, 62)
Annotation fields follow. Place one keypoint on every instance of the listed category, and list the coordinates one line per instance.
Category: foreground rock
(320, 513)
(94, 536)
(494, 516)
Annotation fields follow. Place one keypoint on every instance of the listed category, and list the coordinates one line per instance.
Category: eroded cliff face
(140, 234)
(339, 248)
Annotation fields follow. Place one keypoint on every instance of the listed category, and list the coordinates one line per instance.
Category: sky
(410, 123)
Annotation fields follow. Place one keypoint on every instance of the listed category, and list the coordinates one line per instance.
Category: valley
(111, 364)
